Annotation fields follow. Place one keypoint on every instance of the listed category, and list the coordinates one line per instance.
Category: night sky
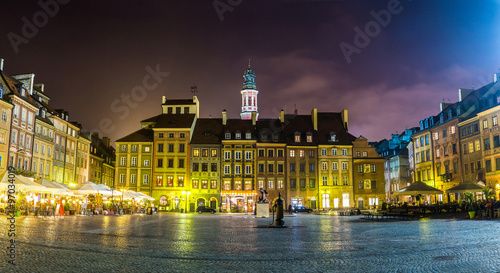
(92, 54)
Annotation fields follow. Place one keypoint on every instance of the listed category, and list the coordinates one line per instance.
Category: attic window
(333, 137)
(309, 137)
(228, 136)
(248, 135)
(265, 136)
(238, 136)
(208, 133)
(297, 137)
(276, 136)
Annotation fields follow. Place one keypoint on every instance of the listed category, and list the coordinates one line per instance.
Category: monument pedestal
(262, 210)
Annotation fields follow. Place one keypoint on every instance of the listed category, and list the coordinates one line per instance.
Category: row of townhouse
(39, 140)
(461, 143)
(185, 161)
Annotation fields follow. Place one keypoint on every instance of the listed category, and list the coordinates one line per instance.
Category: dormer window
(248, 135)
(238, 136)
(333, 137)
(297, 137)
(309, 137)
(450, 114)
(265, 136)
(228, 136)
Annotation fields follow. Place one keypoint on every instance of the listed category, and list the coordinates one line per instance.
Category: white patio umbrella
(92, 188)
(56, 187)
(145, 196)
(21, 183)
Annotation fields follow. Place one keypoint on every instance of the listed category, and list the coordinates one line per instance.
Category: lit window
(297, 137)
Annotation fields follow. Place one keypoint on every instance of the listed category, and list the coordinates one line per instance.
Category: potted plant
(67, 207)
(19, 203)
(470, 205)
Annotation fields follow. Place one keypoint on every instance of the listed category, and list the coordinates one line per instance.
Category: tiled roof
(142, 135)
(207, 131)
(235, 125)
(302, 124)
(174, 121)
(46, 120)
(332, 122)
(270, 127)
(11, 84)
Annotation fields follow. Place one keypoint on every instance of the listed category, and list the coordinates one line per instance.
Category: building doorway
(360, 203)
(313, 203)
(213, 203)
(200, 202)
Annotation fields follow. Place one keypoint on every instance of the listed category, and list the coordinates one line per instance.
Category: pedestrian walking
(290, 209)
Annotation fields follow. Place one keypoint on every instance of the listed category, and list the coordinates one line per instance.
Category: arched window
(163, 200)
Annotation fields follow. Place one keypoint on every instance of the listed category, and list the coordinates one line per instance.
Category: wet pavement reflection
(218, 243)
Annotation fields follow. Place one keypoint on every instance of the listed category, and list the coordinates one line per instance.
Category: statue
(263, 199)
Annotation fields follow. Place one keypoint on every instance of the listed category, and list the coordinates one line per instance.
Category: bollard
(279, 212)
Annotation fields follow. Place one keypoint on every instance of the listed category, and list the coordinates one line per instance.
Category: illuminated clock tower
(249, 95)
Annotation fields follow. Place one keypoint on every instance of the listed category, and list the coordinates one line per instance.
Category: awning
(418, 188)
(466, 187)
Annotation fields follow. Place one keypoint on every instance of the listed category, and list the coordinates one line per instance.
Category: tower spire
(249, 94)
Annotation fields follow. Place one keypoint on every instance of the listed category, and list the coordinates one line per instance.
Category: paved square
(221, 242)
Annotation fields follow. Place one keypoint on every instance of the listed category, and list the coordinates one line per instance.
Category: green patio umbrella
(418, 188)
(466, 187)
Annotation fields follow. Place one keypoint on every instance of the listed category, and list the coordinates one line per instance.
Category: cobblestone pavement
(221, 243)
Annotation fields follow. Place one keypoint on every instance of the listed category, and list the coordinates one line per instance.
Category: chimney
(106, 141)
(1, 64)
(224, 117)
(345, 119)
(163, 99)
(254, 118)
(314, 116)
(282, 116)
(496, 76)
(463, 93)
